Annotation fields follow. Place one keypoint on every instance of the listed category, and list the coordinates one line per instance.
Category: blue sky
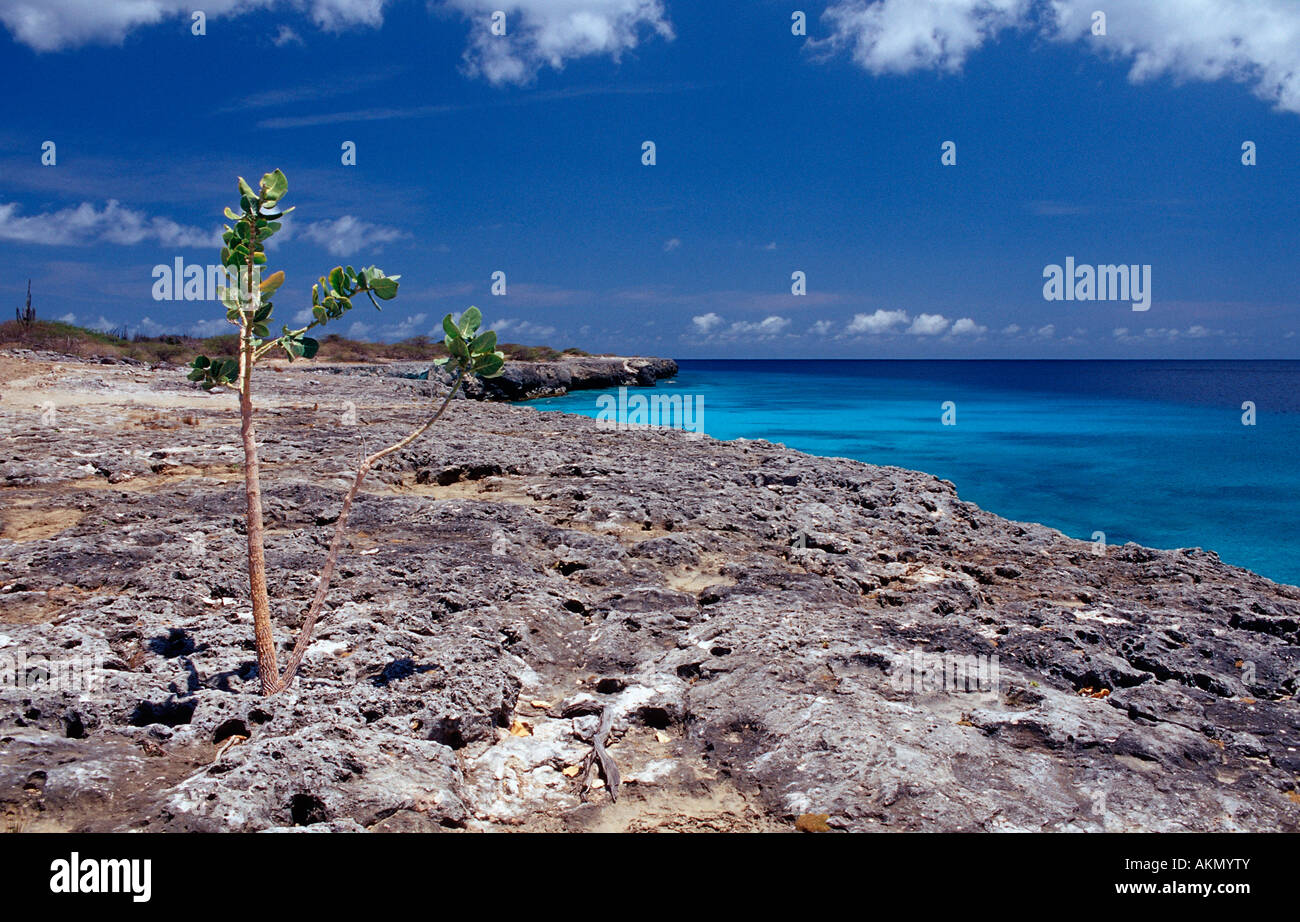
(776, 153)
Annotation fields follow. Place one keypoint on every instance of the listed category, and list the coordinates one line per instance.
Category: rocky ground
(745, 616)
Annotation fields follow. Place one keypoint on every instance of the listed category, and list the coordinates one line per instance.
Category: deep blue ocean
(1147, 451)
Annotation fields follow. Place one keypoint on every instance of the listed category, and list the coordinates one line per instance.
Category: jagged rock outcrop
(530, 380)
(776, 634)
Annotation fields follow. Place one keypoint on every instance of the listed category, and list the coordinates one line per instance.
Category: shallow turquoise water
(1152, 452)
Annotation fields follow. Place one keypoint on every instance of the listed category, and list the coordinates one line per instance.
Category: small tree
(248, 308)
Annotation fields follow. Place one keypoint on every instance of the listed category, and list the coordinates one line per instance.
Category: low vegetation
(68, 339)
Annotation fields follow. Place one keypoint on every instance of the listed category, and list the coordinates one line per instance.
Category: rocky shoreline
(771, 633)
(532, 380)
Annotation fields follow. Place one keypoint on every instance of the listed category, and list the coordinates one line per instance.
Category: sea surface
(1148, 451)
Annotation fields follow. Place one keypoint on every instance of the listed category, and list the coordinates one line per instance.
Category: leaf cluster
(247, 297)
(469, 350)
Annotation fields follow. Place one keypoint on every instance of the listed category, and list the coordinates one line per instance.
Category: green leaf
(319, 314)
(384, 288)
(274, 186)
(202, 362)
(231, 215)
(457, 348)
(309, 347)
(246, 190)
(489, 366)
(453, 331)
(336, 278)
(470, 321)
(484, 342)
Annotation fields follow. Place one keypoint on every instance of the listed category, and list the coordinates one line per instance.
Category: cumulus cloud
(900, 36)
(1253, 42)
(547, 33)
(879, 322)
(768, 327)
(707, 323)
(929, 325)
(85, 224)
(821, 328)
(539, 33)
(349, 234)
(966, 326)
(670, 245)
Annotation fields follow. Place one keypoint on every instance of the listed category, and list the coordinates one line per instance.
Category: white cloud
(85, 224)
(879, 322)
(214, 326)
(547, 33)
(670, 245)
(519, 328)
(349, 234)
(337, 15)
(53, 25)
(768, 326)
(286, 36)
(899, 36)
(966, 326)
(1166, 334)
(1046, 332)
(1253, 42)
(539, 33)
(1011, 329)
(821, 328)
(707, 323)
(929, 325)
(406, 328)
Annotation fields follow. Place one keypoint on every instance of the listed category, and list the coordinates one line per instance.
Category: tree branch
(336, 543)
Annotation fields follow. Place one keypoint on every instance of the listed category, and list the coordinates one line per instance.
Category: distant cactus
(26, 315)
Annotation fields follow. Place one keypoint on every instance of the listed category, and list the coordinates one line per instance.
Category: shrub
(248, 307)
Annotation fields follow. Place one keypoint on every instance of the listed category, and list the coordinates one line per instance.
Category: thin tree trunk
(267, 668)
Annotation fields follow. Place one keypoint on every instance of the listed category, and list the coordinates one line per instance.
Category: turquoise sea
(1147, 451)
